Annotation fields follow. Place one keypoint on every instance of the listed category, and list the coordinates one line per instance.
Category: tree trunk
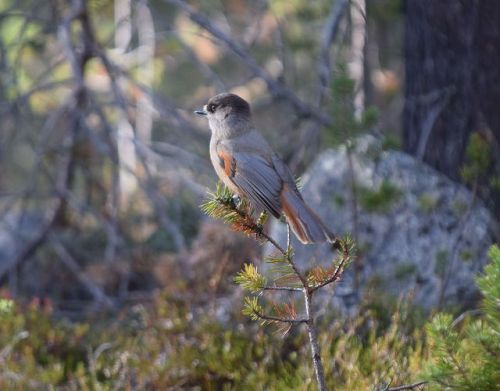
(440, 111)
(452, 83)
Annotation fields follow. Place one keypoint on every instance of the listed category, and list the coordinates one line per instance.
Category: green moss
(459, 206)
(495, 183)
(391, 142)
(346, 126)
(375, 281)
(427, 202)
(441, 262)
(370, 117)
(404, 271)
(379, 200)
(478, 158)
(339, 200)
(160, 241)
(467, 255)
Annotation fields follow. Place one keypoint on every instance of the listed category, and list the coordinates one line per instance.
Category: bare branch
(204, 68)
(338, 271)
(287, 257)
(276, 88)
(430, 120)
(73, 266)
(78, 62)
(407, 387)
(32, 246)
(328, 35)
(282, 288)
(278, 319)
(464, 315)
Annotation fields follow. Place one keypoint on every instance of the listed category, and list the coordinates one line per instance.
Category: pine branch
(407, 386)
(283, 270)
(253, 309)
(271, 318)
(250, 279)
(282, 288)
(220, 205)
(321, 277)
(288, 277)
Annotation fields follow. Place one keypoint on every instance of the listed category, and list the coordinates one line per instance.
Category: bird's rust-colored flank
(227, 163)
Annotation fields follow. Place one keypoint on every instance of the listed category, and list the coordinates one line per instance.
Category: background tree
(452, 78)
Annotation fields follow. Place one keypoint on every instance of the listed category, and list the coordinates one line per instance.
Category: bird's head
(226, 112)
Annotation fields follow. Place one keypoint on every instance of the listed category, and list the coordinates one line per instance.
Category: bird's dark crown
(237, 104)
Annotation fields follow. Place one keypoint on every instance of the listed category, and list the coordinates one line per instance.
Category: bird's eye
(211, 107)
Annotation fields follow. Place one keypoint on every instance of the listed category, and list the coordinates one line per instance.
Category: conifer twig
(282, 288)
(286, 255)
(407, 386)
(221, 205)
(279, 318)
(338, 271)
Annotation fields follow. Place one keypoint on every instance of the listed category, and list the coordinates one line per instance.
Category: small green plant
(345, 130)
(391, 142)
(346, 126)
(495, 183)
(379, 200)
(466, 255)
(460, 207)
(6, 306)
(427, 203)
(442, 260)
(286, 275)
(478, 159)
(465, 352)
(405, 270)
(339, 200)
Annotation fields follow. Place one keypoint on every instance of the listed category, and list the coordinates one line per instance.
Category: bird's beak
(201, 112)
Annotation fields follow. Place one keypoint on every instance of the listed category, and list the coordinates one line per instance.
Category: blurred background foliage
(111, 277)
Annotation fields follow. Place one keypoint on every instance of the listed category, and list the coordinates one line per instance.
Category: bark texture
(452, 83)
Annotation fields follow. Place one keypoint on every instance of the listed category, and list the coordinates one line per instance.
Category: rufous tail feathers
(306, 225)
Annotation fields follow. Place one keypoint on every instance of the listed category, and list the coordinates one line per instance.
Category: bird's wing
(285, 174)
(255, 177)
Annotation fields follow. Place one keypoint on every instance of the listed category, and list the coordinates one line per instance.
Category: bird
(248, 166)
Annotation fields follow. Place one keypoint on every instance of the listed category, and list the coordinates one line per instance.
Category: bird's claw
(261, 220)
(235, 201)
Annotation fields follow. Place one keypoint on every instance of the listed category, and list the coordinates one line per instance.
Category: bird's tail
(306, 225)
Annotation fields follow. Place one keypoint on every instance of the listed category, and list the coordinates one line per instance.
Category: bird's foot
(236, 201)
(261, 220)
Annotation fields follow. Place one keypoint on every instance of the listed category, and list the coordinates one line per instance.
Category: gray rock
(420, 232)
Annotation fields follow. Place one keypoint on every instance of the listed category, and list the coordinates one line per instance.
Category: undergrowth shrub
(167, 346)
(465, 352)
(170, 344)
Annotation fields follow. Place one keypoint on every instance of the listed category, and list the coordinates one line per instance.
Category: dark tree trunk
(452, 81)
(486, 44)
(439, 111)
